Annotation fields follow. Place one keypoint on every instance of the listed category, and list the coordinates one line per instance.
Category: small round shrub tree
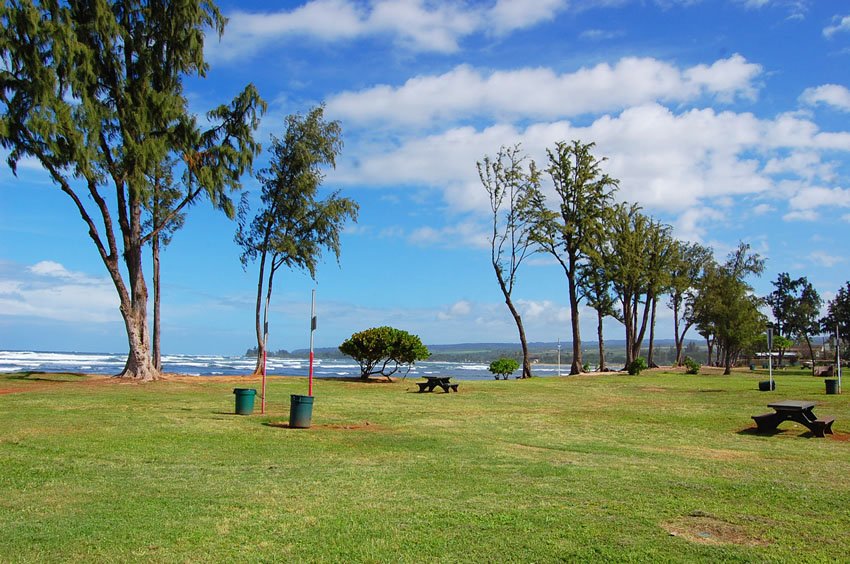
(691, 366)
(503, 367)
(384, 350)
(636, 366)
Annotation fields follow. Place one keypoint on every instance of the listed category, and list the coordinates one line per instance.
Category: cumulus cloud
(542, 93)
(839, 24)
(417, 25)
(833, 95)
(48, 290)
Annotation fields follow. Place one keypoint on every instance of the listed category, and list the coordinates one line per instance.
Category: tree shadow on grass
(39, 376)
(781, 432)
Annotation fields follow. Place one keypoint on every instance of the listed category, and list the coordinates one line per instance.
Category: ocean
(213, 365)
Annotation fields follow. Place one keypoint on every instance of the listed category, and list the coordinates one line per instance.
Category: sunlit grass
(659, 467)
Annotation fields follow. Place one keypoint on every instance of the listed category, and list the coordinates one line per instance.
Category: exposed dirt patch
(365, 426)
(653, 389)
(701, 453)
(841, 437)
(702, 528)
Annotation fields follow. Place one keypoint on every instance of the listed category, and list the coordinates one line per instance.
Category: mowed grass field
(661, 467)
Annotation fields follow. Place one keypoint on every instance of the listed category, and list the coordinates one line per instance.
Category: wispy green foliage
(93, 92)
(294, 227)
(568, 228)
(510, 188)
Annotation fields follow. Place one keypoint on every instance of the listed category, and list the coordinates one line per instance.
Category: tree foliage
(838, 315)
(726, 309)
(503, 367)
(293, 227)
(796, 308)
(384, 350)
(568, 228)
(687, 264)
(509, 186)
(93, 92)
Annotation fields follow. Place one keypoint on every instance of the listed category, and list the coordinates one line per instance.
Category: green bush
(503, 367)
(383, 350)
(691, 366)
(637, 365)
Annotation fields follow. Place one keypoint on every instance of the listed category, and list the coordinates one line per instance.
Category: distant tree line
(621, 262)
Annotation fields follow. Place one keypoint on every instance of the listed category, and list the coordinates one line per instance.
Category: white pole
(838, 355)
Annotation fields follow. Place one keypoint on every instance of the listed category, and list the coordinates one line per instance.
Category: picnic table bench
(801, 412)
(433, 381)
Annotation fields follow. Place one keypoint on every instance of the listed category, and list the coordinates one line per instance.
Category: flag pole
(312, 330)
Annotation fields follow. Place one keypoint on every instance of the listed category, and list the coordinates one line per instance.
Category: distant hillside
(540, 351)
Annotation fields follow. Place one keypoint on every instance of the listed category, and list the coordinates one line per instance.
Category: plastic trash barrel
(831, 386)
(300, 411)
(244, 400)
(765, 385)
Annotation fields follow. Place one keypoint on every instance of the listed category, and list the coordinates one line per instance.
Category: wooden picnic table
(801, 412)
(432, 382)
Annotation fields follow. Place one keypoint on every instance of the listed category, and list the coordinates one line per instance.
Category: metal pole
(838, 355)
(312, 330)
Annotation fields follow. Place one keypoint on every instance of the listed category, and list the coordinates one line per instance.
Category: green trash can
(244, 400)
(831, 386)
(300, 411)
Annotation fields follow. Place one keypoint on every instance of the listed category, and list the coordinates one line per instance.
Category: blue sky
(728, 119)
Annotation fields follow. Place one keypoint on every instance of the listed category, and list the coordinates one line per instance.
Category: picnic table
(434, 381)
(801, 412)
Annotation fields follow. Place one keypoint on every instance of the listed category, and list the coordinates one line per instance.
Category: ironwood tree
(688, 262)
(567, 229)
(293, 227)
(93, 91)
(509, 184)
(726, 308)
(628, 261)
(795, 305)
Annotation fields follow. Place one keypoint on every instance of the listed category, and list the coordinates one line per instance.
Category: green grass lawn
(657, 467)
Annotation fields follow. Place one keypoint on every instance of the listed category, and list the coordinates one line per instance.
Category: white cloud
(510, 15)
(417, 25)
(833, 95)
(801, 215)
(812, 197)
(824, 259)
(460, 308)
(467, 234)
(541, 93)
(839, 24)
(763, 209)
(50, 291)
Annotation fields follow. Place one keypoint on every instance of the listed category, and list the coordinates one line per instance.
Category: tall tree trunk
(811, 351)
(133, 307)
(272, 269)
(576, 366)
(649, 361)
(599, 318)
(261, 344)
(526, 362)
(708, 346)
(157, 354)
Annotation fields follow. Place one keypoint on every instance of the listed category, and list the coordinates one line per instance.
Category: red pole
(263, 404)
(312, 329)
